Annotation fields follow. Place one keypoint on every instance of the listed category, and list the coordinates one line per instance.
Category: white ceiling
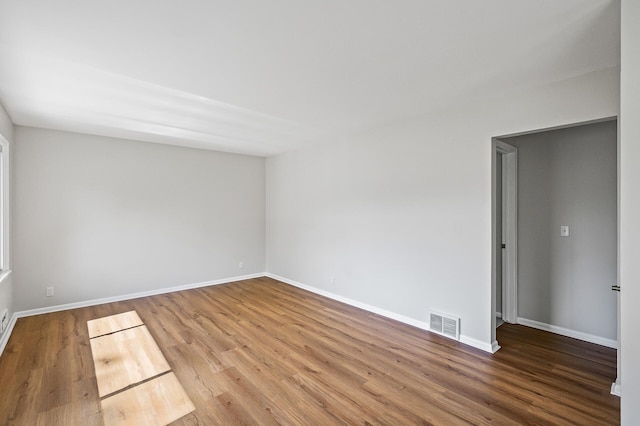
(264, 77)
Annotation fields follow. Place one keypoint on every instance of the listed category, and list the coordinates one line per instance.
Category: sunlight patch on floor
(135, 382)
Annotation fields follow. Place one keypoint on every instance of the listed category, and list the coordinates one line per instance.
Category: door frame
(509, 225)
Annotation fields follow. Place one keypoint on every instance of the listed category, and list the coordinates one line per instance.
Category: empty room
(320, 212)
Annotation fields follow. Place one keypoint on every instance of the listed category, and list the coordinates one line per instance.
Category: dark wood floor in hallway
(263, 352)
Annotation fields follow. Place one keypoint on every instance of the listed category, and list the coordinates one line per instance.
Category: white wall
(6, 126)
(98, 217)
(568, 177)
(402, 217)
(6, 286)
(630, 211)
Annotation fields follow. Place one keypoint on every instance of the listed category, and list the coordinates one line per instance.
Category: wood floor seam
(134, 385)
(117, 331)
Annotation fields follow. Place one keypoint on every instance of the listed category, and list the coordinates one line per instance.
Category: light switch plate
(564, 231)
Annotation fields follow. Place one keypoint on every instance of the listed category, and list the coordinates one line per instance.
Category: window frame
(5, 265)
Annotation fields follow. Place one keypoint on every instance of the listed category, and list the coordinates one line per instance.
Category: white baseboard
(616, 388)
(101, 301)
(569, 333)
(470, 341)
(376, 310)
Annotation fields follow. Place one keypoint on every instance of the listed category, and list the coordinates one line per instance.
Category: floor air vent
(446, 325)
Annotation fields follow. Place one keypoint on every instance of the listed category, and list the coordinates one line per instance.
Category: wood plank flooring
(113, 323)
(262, 352)
(125, 355)
(159, 401)
(125, 358)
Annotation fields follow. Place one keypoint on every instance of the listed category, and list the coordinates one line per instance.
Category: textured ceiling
(264, 77)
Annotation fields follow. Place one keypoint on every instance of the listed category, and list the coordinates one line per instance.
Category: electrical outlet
(333, 280)
(50, 291)
(241, 265)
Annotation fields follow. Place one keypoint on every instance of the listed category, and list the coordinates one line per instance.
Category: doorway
(564, 181)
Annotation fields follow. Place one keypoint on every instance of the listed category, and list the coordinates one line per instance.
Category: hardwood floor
(262, 352)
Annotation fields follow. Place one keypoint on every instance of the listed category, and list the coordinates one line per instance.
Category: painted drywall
(99, 217)
(630, 211)
(568, 177)
(401, 217)
(6, 125)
